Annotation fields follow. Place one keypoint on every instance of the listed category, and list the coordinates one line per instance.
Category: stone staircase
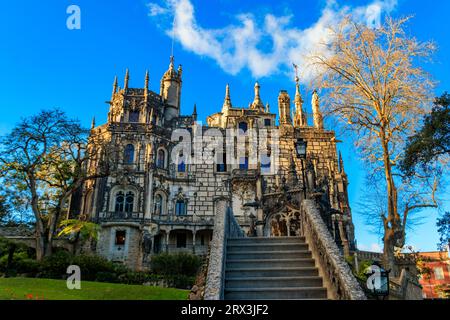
(278, 268)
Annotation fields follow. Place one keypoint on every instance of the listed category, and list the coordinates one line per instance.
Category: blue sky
(44, 64)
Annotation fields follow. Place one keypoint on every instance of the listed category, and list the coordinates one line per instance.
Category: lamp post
(300, 148)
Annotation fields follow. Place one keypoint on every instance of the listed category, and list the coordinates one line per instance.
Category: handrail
(337, 276)
(225, 227)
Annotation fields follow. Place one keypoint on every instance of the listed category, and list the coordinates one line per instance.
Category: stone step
(271, 272)
(294, 254)
(266, 247)
(269, 263)
(255, 240)
(293, 293)
(272, 282)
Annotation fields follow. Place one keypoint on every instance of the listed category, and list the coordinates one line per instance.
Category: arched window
(180, 208)
(129, 202)
(161, 159)
(158, 204)
(129, 154)
(181, 166)
(120, 201)
(243, 126)
(133, 116)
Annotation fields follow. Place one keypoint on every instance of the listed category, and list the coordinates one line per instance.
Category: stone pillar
(167, 241)
(193, 241)
(259, 210)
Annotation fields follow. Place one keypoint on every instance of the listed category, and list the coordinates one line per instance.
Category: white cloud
(156, 10)
(244, 44)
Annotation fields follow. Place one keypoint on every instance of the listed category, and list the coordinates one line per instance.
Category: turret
(171, 90)
(317, 115)
(257, 103)
(147, 80)
(284, 107)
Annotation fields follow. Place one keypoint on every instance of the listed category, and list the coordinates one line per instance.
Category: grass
(47, 289)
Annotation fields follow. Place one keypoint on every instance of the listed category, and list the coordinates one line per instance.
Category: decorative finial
(268, 107)
(127, 78)
(93, 123)
(257, 103)
(147, 79)
(341, 163)
(115, 84)
(317, 115)
(227, 101)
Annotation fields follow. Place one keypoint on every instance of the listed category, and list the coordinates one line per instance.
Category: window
(158, 204)
(265, 163)
(181, 166)
(222, 167)
(243, 126)
(243, 163)
(180, 208)
(129, 202)
(120, 237)
(202, 240)
(120, 201)
(267, 122)
(439, 273)
(133, 116)
(181, 240)
(129, 154)
(160, 162)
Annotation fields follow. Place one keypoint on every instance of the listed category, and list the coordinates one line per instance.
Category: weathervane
(297, 79)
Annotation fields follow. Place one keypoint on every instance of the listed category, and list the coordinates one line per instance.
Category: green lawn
(46, 289)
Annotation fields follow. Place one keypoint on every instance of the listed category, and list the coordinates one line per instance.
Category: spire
(267, 107)
(147, 79)
(93, 123)
(114, 86)
(318, 119)
(257, 103)
(194, 112)
(127, 78)
(300, 115)
(341, 163)
(227, 102)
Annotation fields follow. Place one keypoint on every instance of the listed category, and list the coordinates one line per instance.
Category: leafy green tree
(443, 225)
(45, 156)
(432, 141)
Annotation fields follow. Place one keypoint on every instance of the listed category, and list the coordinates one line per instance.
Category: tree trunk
(39, 226)
(392, 224)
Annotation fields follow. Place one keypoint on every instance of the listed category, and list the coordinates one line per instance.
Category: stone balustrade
(337, 276)
(225, 227)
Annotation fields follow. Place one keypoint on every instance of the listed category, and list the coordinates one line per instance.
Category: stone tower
(171, 91)
(284, 107)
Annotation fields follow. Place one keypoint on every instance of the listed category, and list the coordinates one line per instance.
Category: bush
(176, 264)
(91, 265)
(55, 266)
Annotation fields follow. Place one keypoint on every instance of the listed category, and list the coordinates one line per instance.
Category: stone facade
(156, 200)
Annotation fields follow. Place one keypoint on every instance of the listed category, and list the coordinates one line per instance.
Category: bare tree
(375, 88)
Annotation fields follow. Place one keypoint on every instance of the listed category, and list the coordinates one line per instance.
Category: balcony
(187, 220)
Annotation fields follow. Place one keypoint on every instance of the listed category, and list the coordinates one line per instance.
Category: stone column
(193, 241)
(167, 241)
(259, 210)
